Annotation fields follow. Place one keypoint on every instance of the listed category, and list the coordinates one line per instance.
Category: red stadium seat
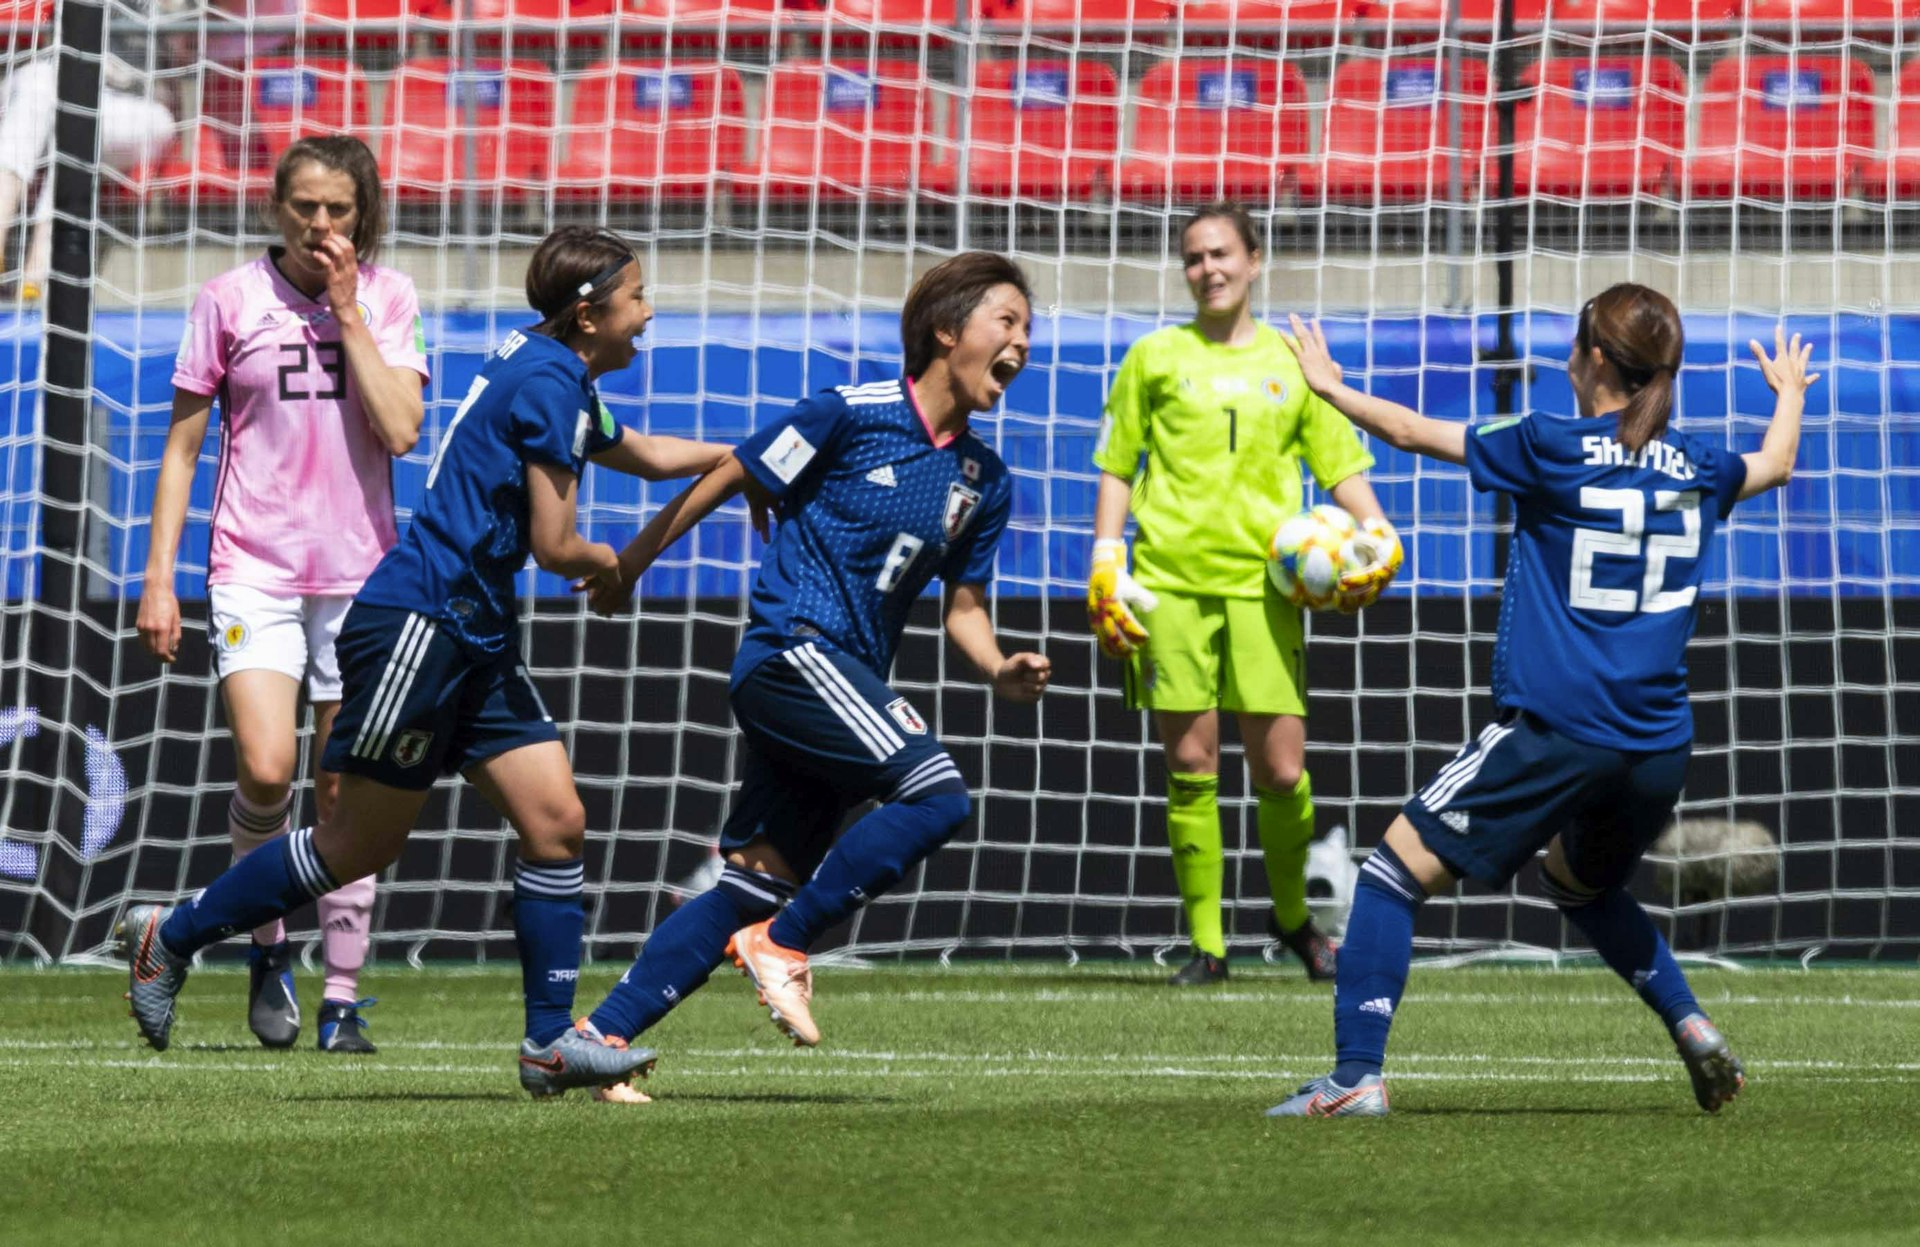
(423, 147)
(1044, 129)
(1212, 129)
(845, 130)
(916, 14)
(656, 16)
(1825, 15)
(1386, 133)
(332, 24)
(1779, 127)
(1260, 18)
(522, 23)
(1898, 176)
(261, 109)
(1679, 17)
(1603, 128)
(22, 21)
(1093, 20)
(1433, 14)
(646, 127)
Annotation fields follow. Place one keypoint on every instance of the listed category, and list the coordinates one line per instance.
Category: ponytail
(1647, 411)
(1638, 331)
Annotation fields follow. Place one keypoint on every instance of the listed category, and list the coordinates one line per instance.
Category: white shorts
(255, 630)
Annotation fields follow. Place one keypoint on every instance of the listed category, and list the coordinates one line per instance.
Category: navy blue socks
(1373, 964)
(1626, 939)
(683, 950)
(871, 857)
(272, 881)
(548, 919)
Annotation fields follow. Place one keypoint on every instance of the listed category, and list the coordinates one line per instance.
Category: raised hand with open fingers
(1308, 342)
(1786, 370)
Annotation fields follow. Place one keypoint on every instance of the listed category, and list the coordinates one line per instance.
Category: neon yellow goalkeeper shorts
(1246, 655)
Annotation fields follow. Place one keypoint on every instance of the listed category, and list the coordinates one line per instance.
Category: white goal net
(1442, 185)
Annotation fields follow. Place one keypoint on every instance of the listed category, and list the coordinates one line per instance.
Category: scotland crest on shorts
(234, 637)
(410, 747)
(961, 504)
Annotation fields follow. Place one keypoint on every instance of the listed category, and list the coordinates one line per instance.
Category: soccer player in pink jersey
(318, 361)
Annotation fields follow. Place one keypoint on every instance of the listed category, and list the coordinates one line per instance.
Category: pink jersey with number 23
(304, 499)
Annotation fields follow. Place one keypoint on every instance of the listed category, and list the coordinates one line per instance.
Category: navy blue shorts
(823, 734)
(1509, 793)
(416, 703)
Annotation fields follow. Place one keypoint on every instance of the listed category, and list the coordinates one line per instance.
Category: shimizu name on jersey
(1603, 451)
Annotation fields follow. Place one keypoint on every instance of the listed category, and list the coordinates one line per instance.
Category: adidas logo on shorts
(1456, 821)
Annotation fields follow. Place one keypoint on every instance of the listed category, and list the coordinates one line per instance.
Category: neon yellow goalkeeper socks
(1193, 829)
(1286, 831)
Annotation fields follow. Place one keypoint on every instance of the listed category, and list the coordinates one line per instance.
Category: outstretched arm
(1772, 465)
(653, 457)
(1022, 677)
(612, 589)
(1400, 427)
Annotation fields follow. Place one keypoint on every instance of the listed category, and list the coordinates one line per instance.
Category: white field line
(689, 1064)
(788, 1058)
(1044, 996)
(1283, 1076)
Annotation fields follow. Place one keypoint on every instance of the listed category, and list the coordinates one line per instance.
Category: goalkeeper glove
(1380, 546)
(1112, 596)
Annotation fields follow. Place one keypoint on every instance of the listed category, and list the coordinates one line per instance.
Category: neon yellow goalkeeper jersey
(1224, 430)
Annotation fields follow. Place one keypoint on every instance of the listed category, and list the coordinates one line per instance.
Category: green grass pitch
(977, 1105)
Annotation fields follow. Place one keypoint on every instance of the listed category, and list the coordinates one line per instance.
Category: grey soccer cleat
(581, 1057)
(1324, 1097)
(1717, 1074)
(273, 1012)
(155, 974)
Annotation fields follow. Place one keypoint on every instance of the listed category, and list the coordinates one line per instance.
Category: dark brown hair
(573, 265)
(1225, 210)
(945, 297)
(1638, 331)
(342, 153)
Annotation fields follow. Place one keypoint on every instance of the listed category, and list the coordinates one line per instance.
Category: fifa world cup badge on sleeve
(789, 455)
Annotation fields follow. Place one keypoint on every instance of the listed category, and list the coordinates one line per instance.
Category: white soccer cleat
(783, 979)
(1324, 1097)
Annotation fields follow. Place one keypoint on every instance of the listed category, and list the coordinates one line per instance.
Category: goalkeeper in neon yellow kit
(1223, 419)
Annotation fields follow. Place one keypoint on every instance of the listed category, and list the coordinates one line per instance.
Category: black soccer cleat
(342, 1029)
(273, 1012)
(1315, 951)
(1204, 969)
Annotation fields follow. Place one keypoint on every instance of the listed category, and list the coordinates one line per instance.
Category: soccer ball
(1309, 554)
(1331, 877)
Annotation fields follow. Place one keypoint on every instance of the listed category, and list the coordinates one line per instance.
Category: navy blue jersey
(872, 508)
(1608, 553)
(531, 403)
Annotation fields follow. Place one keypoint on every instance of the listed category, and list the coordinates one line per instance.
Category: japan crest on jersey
(961, 504)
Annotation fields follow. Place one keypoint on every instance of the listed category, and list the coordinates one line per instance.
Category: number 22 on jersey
(1633, 541)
